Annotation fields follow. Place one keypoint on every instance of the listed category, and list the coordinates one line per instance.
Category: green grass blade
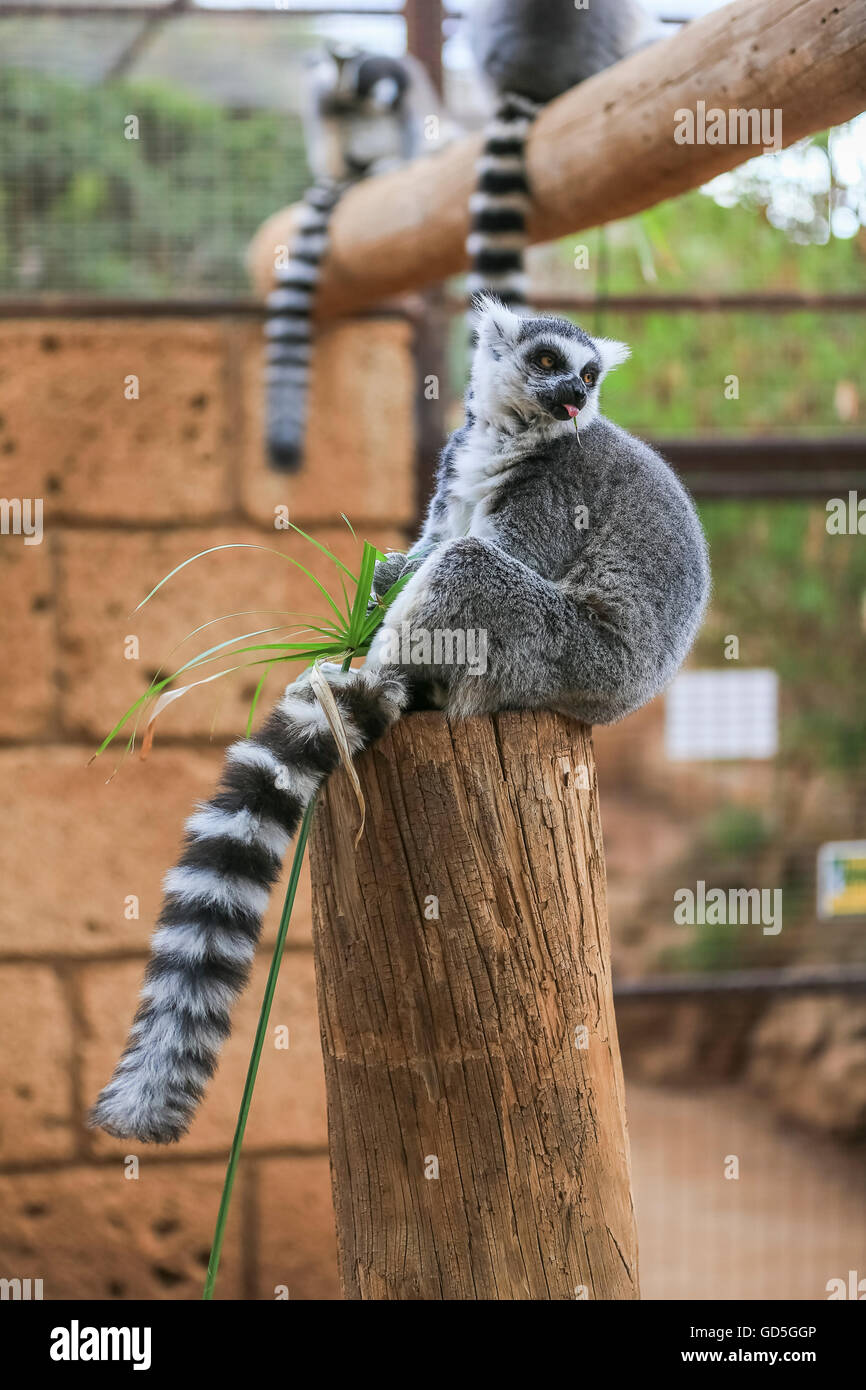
(335, 559)
(267, 550)
(258, 1047)
(256, 1056)
(258, 695)
(362, 593)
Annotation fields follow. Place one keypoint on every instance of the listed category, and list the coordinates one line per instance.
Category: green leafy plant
(345, 634)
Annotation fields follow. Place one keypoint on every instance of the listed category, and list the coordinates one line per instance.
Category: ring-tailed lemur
(583, 562)
(532, 51)
(364, 113)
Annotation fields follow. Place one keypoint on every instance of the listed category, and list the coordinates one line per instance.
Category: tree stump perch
(475, 1098)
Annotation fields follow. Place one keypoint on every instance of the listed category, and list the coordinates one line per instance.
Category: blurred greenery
(795, 597)
(797, 372)
(736, 830)
(84, 209)
(692, 243)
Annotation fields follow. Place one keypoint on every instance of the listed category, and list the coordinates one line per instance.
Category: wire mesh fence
(139, 153)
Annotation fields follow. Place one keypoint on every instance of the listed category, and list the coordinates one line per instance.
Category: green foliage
(691, 243)
(788, 365)
(345, 633)
(707, 948)
(796, 599)
(788, 368)
(85, 209)
(736, 831)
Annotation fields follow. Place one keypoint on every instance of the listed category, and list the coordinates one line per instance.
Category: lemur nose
(578, 395)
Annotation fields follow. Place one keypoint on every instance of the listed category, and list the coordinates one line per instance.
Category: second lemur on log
(532, 51)
(581, 560)
(364, 113)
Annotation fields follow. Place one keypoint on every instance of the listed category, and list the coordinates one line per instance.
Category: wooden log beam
(475, 1098)
(605, 150)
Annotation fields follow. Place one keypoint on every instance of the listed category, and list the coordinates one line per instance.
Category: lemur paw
(333, 673)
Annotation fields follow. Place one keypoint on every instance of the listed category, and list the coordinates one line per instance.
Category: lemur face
(361, 97)
(538, 370)
(349, 81)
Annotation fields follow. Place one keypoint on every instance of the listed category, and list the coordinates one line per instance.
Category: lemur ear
(494, 324)
(341, 52)
(612, 353)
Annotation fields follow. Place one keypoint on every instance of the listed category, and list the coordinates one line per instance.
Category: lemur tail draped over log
(215, 899)
(289, 328)
(500, 206)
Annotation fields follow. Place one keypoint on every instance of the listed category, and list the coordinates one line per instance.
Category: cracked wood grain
(454, 1037)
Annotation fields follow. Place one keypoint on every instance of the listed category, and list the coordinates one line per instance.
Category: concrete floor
(794, 1219)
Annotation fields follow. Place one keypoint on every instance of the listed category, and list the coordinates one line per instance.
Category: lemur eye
(590, 376)
(546, 360)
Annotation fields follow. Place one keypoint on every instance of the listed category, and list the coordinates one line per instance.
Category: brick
(76, 441)
(295, 1241)
(103, 843)
(92, 1233)
(361, 440)
(36, 1118)
(27, 621)
(104, 576)
(289, 1103)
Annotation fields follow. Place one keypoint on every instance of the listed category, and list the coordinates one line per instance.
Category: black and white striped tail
(289, 329)
(216, 895)
(500, 206)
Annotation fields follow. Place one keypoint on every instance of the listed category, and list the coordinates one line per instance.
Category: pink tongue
(572, 411)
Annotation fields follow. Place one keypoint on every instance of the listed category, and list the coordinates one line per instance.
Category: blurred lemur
(583, 561)
(364, 114)
(532, 51)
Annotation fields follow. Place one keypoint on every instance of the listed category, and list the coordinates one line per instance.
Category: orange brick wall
(130, 489)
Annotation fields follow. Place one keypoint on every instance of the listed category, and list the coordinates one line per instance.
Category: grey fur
(541, 48)
(581, 557)
(532, 51)
(583, 562)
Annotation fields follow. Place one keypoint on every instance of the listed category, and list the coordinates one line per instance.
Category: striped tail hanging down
(289, 328)
(500, 206)
(216, 895)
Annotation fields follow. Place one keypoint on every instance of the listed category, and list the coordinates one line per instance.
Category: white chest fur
(481, 465)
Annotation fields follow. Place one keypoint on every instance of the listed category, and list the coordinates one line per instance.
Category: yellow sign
(842, 879)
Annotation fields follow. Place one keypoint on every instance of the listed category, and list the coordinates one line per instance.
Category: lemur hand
(394, 567)
(388, 571)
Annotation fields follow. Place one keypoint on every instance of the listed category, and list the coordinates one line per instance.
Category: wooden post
(604, 150)
(424, 35)
(475, 1098)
